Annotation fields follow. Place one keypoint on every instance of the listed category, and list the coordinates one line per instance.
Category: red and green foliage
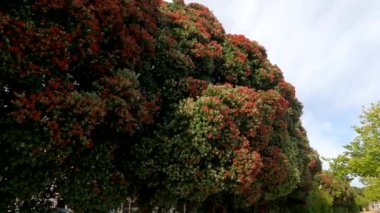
(70, 96)
(229, 141)
(101, 100)
(342, 194)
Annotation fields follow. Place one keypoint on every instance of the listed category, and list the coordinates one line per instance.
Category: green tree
(361, 199)
(343, 195)
(372, 189)
(364, 152)
(361, 157)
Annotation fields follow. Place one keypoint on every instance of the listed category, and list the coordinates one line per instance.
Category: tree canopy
(361, 158)
(364, 152)
(107, 99)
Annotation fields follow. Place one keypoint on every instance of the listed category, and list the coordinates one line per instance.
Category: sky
(329, 50)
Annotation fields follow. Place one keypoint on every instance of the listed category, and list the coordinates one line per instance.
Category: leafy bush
(101, 100)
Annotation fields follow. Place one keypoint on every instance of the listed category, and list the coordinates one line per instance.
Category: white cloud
(323, 136)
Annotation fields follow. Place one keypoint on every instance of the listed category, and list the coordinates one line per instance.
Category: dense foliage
(342, 194)
(107, 99)
(361, 157)
(329, 194)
